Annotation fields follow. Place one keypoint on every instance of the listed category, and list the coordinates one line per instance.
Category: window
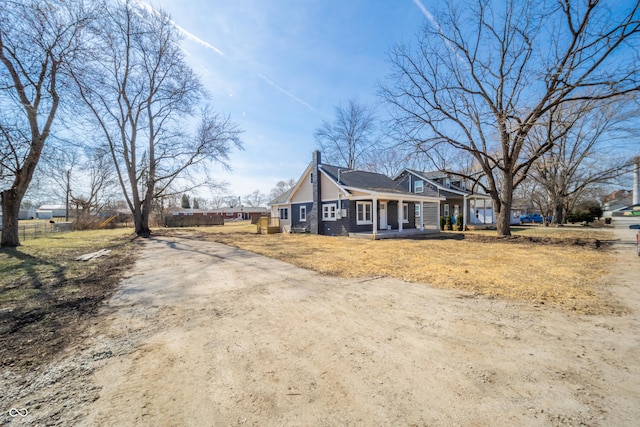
(447, 182)
(417, 207)
(463, 185)
(405, 212)
(418, 186)
(363, 213)
(329, 212)
(311, 178)
(284, 213)
(303, 213)
(446, 210)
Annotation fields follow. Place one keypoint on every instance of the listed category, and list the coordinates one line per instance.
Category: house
(242, 212)
(28, 213)
(476, 208)
(52, 211)
(332, 200)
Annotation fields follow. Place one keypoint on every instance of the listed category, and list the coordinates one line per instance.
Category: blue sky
(280, 67)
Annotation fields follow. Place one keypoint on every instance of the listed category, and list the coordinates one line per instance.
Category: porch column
(374, 214)
(465, 211)
(421, 215)
(400, 215)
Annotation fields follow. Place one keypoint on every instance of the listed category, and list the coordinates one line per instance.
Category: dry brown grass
(557, 272)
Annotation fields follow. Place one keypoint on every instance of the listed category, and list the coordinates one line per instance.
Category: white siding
(329, 190)
(304, 193)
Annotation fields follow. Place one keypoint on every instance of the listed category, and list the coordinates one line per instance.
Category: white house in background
(52, 211)
(29, 213)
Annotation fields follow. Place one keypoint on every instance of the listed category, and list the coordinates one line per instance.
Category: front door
(383, 216)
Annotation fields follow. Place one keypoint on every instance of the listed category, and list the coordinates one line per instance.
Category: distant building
(51, 211)
(29, 213)
(617, 199)
(242, 212)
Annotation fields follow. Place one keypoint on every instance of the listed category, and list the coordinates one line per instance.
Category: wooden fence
(192, 220)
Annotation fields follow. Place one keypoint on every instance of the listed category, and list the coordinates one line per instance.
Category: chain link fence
(42, 229)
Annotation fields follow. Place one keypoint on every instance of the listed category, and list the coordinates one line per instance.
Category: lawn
(46, 296)
(563, 267)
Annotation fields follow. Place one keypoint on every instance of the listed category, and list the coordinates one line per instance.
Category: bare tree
(484, 76)
(38, 40)
(281, 187)
(349, 139)
(81, 175)
(142, 94)
(255, 199)
(583, 155)
(219, 200)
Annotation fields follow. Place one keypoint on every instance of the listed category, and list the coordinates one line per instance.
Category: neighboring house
(476, 208)
(193, 212)
(29, 213)
(617, 200)
(331, 200)
(242, 212)
(52, 211)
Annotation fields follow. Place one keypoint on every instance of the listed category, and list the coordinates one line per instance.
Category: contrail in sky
(437, 26)
(197, 39)
(289, 94)
(184, 32)
(428, 14)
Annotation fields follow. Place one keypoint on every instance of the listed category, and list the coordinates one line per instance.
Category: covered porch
(387, 215)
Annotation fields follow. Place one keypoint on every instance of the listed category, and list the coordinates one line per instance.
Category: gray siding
(298, 226)
(339, 227)
(353, 220)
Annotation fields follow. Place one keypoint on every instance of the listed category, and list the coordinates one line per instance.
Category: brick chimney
(315, 214)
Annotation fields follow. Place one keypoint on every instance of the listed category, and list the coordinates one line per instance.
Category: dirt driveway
(202, 334)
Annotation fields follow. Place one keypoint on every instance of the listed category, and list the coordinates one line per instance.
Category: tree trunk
(141, 221)
(558, 213)
(10, 213)
(503, 221)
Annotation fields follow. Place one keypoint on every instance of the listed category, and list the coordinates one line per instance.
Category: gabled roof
(282, 198)
(361, 179)
(429, 175)
(368, 181)
(349, 180)
(245, 209)
(432, 176)
(52, 207)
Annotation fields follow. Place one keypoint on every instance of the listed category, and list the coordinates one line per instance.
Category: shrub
(459, 222)
(448, 224)
(586, 212)
(442, 223)
(581, 217)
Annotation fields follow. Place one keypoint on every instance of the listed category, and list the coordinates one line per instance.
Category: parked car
(531, 219)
